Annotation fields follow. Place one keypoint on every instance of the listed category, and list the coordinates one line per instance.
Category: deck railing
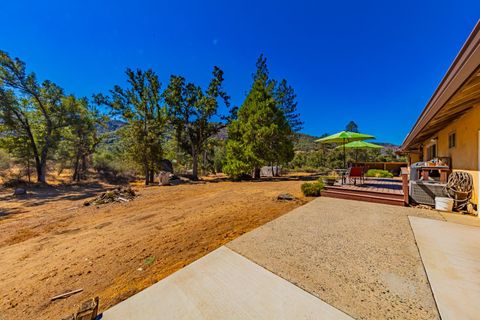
(404, 173)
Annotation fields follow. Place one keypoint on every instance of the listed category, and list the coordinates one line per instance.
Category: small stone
(19, 191)
(285, 197)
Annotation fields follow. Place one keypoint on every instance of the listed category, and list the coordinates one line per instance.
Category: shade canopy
(344, 137)
(360, 145)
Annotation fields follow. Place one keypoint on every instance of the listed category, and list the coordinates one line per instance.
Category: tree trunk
(28, 171)
(42, 175)
(147, 176)
(256, 173)
(42, 171)
(194, 164)
(38, 163)
(75, 176)
(204, 163)
(83, 171)
(152, 177)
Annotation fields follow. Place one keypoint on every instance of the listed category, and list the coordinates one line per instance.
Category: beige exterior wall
(464, 155)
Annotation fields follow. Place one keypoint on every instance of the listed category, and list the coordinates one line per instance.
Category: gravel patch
(357, 256)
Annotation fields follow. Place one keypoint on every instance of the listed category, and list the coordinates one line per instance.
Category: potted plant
(330, 180)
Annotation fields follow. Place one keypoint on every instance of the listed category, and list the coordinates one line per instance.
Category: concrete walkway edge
(223, 285)
(451, 256)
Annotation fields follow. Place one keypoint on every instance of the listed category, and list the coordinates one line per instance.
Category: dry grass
(50, 243)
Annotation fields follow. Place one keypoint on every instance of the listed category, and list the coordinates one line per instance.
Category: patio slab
(451, 255)
(223, 285)
(359, 257)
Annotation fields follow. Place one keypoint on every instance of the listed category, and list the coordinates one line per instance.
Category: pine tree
(286, 97)
(261, 135)
(351, 126)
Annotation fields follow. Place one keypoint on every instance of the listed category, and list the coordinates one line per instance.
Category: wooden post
(87, 311)
(405, 186)
(444, 175)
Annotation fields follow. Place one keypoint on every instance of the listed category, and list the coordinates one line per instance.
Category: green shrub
(377, 173)
(321, 183)
(312, 189)
(112, 168)
(4, 160)
(323, 178)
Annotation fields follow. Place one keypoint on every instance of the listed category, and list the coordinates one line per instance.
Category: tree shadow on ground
(42, 194)
(4, 213)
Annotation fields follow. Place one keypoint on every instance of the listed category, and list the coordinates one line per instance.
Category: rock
(285, 197)
(19, 191)
(269, 171)
(164, 178)
(166, 165)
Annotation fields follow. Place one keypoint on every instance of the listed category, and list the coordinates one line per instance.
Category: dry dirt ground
(50, 243)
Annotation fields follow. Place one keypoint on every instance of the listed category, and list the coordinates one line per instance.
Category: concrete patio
(357, 256)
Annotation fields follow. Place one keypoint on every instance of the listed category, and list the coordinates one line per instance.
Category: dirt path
(52, 244)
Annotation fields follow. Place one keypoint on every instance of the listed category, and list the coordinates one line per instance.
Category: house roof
(457, 93)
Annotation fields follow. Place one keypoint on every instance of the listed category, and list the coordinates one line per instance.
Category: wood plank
(365, 198)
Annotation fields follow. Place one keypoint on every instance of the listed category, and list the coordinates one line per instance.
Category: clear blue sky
(373, 62)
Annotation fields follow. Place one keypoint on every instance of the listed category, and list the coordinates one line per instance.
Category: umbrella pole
(344, 155)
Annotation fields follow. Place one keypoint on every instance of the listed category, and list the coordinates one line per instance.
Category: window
(452, 137)
(431, 151)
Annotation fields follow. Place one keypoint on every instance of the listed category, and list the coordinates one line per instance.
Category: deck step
(368, 196)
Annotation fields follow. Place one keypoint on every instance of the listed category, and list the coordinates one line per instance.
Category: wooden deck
(378, 190)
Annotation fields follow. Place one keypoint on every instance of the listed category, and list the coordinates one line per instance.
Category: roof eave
(466, 61)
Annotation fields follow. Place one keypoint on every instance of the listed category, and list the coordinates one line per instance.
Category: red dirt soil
(50, 243)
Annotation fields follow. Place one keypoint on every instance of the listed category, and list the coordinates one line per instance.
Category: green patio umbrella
(345, 137)
(359, 145)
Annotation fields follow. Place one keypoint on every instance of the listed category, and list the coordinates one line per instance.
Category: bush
(312, 189)
(321, 182)
(112, 169)
(377, 173)
(4, 160)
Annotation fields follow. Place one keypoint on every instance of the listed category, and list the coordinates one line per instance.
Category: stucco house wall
(465, 154)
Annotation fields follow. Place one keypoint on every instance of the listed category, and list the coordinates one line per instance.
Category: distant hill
(111, 126)
(305, 142)
(388, 146)
(114, 124)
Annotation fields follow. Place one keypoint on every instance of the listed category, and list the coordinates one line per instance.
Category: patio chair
(355, 173)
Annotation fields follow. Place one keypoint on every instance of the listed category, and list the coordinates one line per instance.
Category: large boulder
(269, 171)
(166, 165)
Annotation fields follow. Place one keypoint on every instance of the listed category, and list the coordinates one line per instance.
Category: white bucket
(443, 204)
